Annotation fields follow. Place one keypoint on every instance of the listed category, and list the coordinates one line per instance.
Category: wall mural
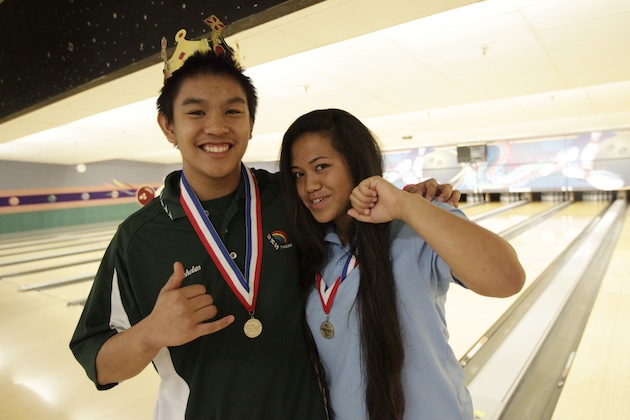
(588, 161)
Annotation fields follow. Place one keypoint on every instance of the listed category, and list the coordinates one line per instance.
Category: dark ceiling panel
(50, 49)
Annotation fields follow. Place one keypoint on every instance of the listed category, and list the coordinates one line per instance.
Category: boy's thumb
(176, 279)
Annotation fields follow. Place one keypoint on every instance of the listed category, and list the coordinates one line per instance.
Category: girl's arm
(480, 259)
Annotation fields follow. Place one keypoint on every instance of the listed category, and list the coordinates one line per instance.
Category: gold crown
(185, 48)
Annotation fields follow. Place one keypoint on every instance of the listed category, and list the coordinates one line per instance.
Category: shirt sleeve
(100, 319)
(457, 212)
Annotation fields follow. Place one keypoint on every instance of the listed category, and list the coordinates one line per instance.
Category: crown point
(186, 48)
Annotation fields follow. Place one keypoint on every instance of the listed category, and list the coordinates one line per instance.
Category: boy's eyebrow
(197, 101)
(193, 101)
(236, 100)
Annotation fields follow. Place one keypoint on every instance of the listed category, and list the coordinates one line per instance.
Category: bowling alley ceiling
(53, 49)
(78, 79)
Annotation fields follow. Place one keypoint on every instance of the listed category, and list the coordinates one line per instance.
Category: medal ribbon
(327, 294)
(244, 287)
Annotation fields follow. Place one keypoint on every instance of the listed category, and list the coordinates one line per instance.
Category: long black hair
(381, 337)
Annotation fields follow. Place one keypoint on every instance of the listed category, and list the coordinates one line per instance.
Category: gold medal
(252, 328)
(326, 329)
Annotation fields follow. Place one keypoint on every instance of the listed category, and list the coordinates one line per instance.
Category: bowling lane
(8, 271)
(39, 378)
(42, 254)
(469, 315)
(50, 276)
(476, 209)
(515, 215)
(76, 271)
(72, 294)
(598, 382)
(17, 251)
(11, 242)
(18, 247)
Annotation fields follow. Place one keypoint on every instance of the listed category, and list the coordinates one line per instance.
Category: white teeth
(319, 200)
(214, 149)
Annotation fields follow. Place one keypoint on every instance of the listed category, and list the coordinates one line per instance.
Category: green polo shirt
(225, 375)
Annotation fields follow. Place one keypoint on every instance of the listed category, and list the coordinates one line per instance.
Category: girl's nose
(312, 183)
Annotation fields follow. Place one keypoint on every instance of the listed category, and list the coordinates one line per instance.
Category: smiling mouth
(209, 148)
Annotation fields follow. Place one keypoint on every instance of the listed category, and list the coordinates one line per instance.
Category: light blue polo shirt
(432, 377)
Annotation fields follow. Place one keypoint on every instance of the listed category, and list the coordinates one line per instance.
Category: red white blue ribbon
(245, 287)
(327, 294)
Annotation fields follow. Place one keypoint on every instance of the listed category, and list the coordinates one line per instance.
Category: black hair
(381, 336)
(205, 63)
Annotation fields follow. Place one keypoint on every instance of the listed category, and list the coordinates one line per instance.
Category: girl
(375, 277)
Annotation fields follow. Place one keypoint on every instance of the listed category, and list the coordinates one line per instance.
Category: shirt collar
(331, 237)
(169, 197)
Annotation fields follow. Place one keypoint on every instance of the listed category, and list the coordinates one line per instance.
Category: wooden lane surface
(515, 216)
(39, 377)
(43, 254)
(470, 315)
(598, 382)
(70, 247)
(480, 208)
(55, 274)
(8, 271)
(9, 247)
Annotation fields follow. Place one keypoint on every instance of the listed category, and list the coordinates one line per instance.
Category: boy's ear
(167, 128)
